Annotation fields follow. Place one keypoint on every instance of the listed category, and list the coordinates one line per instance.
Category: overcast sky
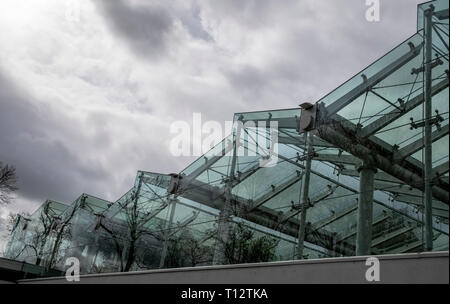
(88, 91)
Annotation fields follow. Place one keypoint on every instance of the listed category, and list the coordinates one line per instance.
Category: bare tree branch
(8, 181)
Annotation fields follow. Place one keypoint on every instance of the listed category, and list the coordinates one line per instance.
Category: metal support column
(304, 195)
(365, 209)
(91, 256)
(167, 233)
(223, 230)
(428, 14)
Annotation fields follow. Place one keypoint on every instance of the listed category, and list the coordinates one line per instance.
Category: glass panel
(257, 206)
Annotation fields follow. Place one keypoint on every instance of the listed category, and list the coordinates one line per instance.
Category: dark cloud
(334, 43)
(315, 49)
(247, 79)
(191, 20)
(257, 14)
(3, 224)
(145, 28)
(46, 166)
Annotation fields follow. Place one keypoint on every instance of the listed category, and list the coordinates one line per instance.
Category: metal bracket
(98, 221)
(434, 64)
(308, 117)
(299, 206)
(433, 121)
(174, 183)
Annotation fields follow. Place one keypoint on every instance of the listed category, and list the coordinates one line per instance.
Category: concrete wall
(402, 268)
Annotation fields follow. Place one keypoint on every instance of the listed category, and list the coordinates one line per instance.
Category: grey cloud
(256, 14)
(46, 167)
(247, 79)
(312, 61)
(192, 22)
(335, 42)
(145, 28)
(330, 47)
(3, 223)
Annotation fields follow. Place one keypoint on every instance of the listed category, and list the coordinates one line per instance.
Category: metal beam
(208, 163)
(349, 97)
(398, 189)
(428, 159)
(242, 176)
(375, 222)
(304, 195)
(213, 196)
(397, 210)
(379, 176)
(316, 199)
(343, 141)
(283, 122)
(408, 162)
(184, 223)
(419, 144)
(385, 99)
(418, 201)
(350, 130)
(300, 141)
(210, 196)
(365, 209)
(328, 220)
(388, 236)
(438, 208)
(168, 227)
(275, 191)
(441, 169)
(390, 117)
(408, 247)
(442, 14)
(390, 152)
(224, 226)
(340, 159)
(269, 218)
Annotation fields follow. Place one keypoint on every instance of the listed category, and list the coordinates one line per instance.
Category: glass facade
(340, 177)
